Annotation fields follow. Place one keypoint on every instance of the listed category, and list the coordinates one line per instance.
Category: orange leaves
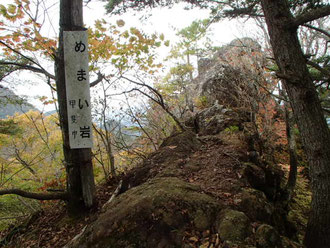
(11, 9)
(21, 31)
(46, 101)
(123, 48)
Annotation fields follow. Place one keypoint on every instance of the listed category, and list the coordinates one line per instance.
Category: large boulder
(255, 204)
(234, 225)
(231, 84)
(223, 83)
(183, 142)
(268, 237)
(255, 175)
(154, 214)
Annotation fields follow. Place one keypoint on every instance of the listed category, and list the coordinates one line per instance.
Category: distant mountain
(51, 112)
(10, 103)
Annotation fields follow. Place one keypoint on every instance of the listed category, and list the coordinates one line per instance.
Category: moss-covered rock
(213, 120)
(255, 204)
(156, 212)
(268, 237)
(255, 175)
(233, 225)
(182, 142)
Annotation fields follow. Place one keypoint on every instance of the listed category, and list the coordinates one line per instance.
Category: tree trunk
(78, 162)
(308, 114)
(111, 157)
(292, 147)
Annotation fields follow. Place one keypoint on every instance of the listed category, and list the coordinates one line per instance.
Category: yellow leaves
(124, 49)
(46, 101)
(134, 31)
(23, 34)
(28, 22)
(125, 34)
(11, 9)
(38, 143)
(12, 12)
(120, 23)
(99, 25)
(3, 10)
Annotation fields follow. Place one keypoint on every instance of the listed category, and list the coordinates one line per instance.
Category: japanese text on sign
(77, 89)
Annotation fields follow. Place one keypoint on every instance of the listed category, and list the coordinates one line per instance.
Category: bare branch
(159, 100)
(100, 77)
(310, 16)
(36, 196)
(117, 191)
(27, 67)
(139, 123)
(22, 55)
(318, 29)
(30, 68)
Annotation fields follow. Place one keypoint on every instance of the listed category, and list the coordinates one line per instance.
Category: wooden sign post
(77, 89)
(72, 84)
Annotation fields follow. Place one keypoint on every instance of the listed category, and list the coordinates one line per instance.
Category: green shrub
(232, 129)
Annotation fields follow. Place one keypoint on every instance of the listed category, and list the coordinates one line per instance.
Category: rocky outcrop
(164, 204)
(174, 193)
(230, 84)
(154, 214)
(215, 119)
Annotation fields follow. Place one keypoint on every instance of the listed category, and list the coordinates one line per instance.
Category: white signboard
(77, 89)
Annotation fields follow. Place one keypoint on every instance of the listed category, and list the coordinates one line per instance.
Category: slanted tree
(283, 18)
(80, 181)
(24, 48)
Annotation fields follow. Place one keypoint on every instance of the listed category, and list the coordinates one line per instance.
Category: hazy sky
(162, 21)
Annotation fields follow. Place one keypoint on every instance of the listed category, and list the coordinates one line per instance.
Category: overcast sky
(162, 20)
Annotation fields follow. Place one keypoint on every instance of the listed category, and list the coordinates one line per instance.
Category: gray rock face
(213, 120)
(230, 83)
